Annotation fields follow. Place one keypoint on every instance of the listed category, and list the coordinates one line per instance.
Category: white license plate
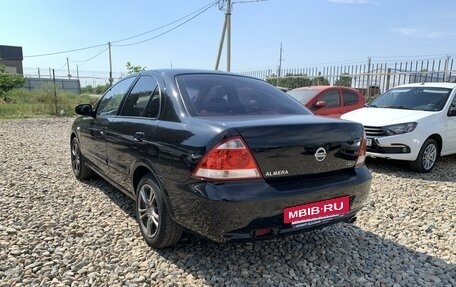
(369, 142)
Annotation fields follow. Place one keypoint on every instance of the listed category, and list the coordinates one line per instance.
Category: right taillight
(230, 159)
(362, 151)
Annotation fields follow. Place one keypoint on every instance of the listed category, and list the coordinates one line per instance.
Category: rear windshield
(226, 95)
(413, 98)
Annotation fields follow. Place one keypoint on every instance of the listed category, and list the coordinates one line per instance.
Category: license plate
(317, 210)
(369, 142)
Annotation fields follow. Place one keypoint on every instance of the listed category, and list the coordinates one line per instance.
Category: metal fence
(67, 85)
(371, 78)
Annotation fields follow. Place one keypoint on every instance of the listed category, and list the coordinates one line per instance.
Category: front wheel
(426, 157)
(155, 222)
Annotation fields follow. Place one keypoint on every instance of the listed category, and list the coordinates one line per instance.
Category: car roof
(323, 88)
(175, 72)
(434, 85)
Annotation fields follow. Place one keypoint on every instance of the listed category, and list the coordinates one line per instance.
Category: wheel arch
(140, 169)
(439, 140)
(73, 135)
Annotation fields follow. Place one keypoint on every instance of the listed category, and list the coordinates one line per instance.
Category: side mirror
(452, 112)
(320, 104)
(84, 110)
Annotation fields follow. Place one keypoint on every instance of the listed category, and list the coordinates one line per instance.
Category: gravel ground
(56, 231)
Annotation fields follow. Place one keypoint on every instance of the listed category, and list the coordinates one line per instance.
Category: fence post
(445, 70)
(368, 77)
(55, 91)
(388, 77)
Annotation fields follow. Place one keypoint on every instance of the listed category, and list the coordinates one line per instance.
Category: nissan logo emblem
(320, 154)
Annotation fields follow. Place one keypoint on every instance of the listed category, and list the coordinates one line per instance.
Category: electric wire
(91, 58)
(166, 25)
(199, 11)
(167, 31)
(64, 52)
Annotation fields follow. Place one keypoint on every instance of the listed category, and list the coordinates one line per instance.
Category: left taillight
(228, 160)
(362, 151)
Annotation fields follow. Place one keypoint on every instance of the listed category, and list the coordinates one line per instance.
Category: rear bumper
(234, 211)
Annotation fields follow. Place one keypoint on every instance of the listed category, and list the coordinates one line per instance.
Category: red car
(332, 101)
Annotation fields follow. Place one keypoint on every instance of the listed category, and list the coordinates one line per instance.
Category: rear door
(351, 100)
(130, 136)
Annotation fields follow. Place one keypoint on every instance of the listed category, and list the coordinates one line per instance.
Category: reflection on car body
(414, 123)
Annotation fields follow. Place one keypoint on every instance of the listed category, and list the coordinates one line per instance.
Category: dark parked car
(224, 156)
(332, 101)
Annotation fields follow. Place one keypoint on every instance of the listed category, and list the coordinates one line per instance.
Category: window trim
(129, 93)
(135, 78)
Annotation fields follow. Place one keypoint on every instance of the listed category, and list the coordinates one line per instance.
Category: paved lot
(57, 231)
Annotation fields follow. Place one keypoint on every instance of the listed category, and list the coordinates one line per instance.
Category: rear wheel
(155, 222)
(427, 157)
(80, 169)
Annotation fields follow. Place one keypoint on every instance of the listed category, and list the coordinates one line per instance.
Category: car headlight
(399, 129)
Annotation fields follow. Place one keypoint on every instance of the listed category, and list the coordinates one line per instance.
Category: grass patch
(21, 103)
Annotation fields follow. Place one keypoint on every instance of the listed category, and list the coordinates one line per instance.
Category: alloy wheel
(75, 158)
(148, 211)
(429, 156)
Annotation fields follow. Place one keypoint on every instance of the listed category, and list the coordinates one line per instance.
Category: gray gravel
(56, 231)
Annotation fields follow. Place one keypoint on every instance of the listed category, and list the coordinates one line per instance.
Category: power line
(167, 31)
(66, 51)
(91, 58)
(173, 22)
(199, 12)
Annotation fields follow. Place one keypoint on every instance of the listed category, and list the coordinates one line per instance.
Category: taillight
(362, 151)
(230, 159)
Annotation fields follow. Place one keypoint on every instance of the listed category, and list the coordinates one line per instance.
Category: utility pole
(110, 65)
(39, 74)
(222, 39)
(226, 30)
(68, 68)
(77, 71)
(228, 38)
(279, 70)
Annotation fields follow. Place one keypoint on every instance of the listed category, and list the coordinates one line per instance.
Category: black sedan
(221, 155)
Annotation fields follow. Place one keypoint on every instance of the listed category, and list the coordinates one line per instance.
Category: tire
(80, 169)
(427, 157)
(154, 220)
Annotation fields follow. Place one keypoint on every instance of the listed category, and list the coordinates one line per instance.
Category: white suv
(414, 122)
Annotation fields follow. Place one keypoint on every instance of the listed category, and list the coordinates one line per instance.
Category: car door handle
(138, 137)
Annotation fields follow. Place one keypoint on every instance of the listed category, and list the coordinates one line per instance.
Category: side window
(110, 103)
(452, 110)
(331, 98)
(350, 98)
(143, 100)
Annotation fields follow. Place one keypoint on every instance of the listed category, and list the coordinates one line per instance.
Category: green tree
(99, 89)
(343, 80)
(134, 69)
(290, 81)
(9, 81)
(320, 81)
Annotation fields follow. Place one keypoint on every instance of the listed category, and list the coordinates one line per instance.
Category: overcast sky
(313, 32)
